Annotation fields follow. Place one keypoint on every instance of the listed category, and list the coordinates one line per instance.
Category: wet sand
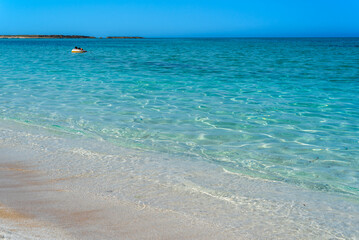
(33, 206)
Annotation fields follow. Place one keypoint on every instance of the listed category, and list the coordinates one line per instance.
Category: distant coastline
(60, 37)
(44, 36)
(126, 37)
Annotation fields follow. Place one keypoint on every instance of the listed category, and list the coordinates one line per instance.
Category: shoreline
(175, 192)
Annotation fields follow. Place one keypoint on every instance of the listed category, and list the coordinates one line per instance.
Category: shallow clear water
(282, 109)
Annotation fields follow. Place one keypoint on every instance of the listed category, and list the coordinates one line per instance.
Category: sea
(281, 113)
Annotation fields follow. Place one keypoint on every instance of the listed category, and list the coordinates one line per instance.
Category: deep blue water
(282, 109)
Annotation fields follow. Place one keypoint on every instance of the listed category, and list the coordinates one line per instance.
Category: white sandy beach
(37, 208)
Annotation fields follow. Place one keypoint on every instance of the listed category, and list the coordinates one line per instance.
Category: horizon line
(159, 37)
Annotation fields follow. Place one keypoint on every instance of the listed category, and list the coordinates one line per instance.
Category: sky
(182, 18)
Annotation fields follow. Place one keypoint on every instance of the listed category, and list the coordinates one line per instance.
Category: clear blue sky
(182, 18)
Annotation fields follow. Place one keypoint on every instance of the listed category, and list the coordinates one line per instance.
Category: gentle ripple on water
(283, 109)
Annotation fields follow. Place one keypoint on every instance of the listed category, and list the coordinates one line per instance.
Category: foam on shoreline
(193, 194)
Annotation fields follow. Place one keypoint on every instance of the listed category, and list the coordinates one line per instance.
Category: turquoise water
(280, 109)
